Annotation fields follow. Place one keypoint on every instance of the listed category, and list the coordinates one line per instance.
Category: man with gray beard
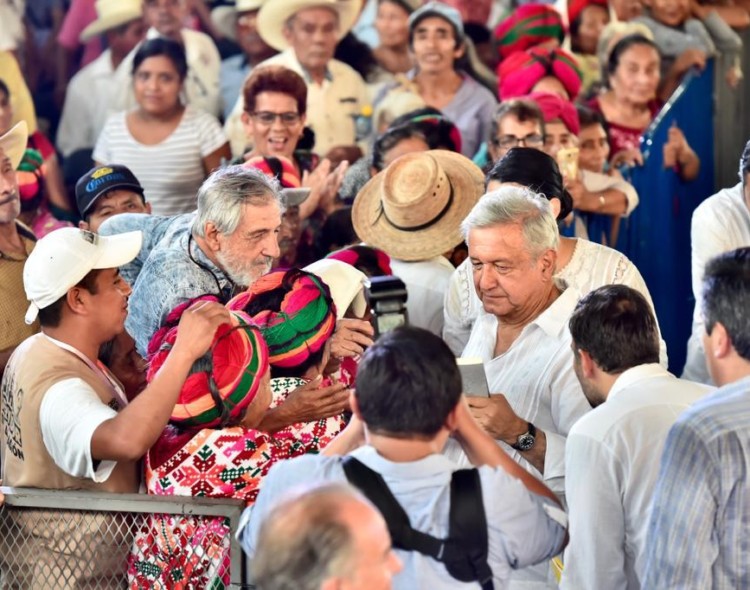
(222, 248)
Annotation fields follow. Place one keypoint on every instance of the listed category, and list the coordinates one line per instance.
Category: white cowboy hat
(14, 142)
(273, 17)
(225, 17)
(414, 208)
(111, 14)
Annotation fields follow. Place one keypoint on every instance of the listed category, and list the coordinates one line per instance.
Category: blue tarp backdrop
(656, 237)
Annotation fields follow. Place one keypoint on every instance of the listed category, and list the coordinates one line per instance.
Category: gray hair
(516, 205)
(222, 196)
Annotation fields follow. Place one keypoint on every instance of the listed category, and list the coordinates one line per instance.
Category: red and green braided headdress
(300, 324)
(222, 383)
(527, 26)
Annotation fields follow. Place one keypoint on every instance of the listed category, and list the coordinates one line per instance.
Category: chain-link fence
(63, 540)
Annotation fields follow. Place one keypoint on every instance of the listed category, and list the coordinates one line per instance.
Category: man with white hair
(220, 249)
(522, 337)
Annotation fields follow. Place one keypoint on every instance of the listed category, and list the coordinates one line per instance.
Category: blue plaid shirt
(699, 534)
(164, 274)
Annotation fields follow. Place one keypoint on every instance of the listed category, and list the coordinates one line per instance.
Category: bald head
(324, 537)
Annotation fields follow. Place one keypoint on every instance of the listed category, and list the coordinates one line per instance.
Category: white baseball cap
(347, 285)
(63, 257)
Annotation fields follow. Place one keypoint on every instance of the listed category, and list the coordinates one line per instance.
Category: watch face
(525, 442)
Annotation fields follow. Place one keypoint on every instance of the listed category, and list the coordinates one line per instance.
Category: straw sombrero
(225, 17)
(111, 14)
(273, 17)
(14, 142)
(414, 208)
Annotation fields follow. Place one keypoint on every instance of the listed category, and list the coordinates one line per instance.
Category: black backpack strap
(403, 536)
(468, 522)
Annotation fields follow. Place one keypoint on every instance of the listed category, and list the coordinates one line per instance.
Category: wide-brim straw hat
(13, 142)
(225, 17)
(111, 14)
(273, 16)
(414, 208)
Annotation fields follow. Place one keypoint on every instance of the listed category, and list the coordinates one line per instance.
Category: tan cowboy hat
(273, 17)
(14, 142)
(414, 208)
(111, 14)
(225, 17)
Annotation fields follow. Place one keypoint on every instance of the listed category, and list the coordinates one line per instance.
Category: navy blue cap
(99, 181)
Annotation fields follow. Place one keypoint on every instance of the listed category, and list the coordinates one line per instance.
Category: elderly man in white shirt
(521, 335)
(166, 17)
(87, 100)
(720, 223)
(306, 32)
(581, 264)
(612, 456)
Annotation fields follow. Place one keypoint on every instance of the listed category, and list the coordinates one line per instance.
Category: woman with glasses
(274, 122)
(274, 117)
(171, 148)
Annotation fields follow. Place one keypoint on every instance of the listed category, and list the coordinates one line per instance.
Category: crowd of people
(197, 197)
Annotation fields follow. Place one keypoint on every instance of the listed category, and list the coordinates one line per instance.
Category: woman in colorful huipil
(212, 447)
(296, 316)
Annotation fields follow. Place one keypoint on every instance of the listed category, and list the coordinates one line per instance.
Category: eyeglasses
(510, 141)
(267, 118)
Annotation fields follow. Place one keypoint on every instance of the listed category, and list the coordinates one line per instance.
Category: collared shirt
(720, 223)
(426, 283)
(86, 105)
(201, 83)
(611, 465)
(591, 265)
(331, 106)
(522, 528)
(700, 519)
(13, 302)
(152, 228)
(234, 72)
(536, 376)
(170, 275)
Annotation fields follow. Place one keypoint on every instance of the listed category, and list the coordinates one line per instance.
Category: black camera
(386, 297)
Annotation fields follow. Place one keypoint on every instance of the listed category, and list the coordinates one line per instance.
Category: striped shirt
(700, 520)
(171, 171)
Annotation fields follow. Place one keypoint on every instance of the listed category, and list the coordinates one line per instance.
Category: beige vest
(34, 367)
